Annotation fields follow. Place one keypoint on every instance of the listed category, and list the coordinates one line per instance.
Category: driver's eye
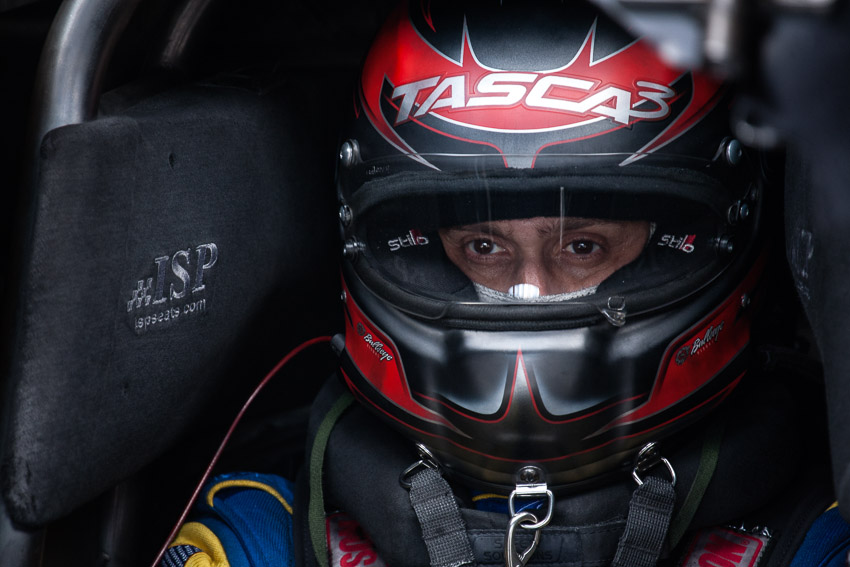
(483, 247)
(582, 247)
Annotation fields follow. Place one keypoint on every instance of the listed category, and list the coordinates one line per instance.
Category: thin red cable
(226, 438)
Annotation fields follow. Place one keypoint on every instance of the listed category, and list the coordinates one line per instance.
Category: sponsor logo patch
(725, 547)
(176, 292)
(348, 545)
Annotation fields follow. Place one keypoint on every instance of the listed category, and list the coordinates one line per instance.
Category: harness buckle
(426, 460)
(648, 458)
(534, 488)
(512, 557)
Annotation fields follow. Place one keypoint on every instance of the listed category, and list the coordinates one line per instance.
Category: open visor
(583, 231)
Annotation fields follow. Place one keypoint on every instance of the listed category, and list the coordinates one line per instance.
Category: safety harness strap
(442, 526)
(316, 513)
(708, 460)
(650, 510)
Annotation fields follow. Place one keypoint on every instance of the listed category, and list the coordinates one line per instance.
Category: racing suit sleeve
(240, 520)
(827, 542)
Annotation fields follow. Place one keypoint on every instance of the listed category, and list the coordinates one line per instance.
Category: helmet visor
(586, 229)
(547, 258)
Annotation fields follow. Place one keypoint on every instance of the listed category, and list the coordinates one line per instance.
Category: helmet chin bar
(489, 402)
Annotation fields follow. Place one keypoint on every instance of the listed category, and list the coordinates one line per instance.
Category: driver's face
(557, 255)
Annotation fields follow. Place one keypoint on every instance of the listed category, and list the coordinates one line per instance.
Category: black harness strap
(442, 526)
(650, 510)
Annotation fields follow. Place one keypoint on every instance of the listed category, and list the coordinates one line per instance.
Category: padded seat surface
(194, 230)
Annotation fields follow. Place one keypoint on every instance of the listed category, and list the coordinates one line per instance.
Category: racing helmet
(550, 240)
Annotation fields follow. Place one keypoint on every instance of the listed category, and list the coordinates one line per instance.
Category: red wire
(226, 438)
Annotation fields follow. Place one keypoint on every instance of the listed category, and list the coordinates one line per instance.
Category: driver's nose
(532, 281)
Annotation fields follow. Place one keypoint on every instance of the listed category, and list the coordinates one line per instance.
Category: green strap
(707, 465)
(316, 516)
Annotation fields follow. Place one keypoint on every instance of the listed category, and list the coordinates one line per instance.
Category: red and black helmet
(550, 240)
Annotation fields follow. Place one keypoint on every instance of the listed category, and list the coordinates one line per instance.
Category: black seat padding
(191, 235)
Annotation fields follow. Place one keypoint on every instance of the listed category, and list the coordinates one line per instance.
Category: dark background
(307, 53)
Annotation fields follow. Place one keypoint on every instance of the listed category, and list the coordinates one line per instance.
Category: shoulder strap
(316, 511)
(443, 529)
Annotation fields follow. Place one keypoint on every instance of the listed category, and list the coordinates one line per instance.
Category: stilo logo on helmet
(457, 124)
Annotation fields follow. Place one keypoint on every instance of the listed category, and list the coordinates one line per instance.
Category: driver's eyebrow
(561, 225)
(480, 228)
(544, 226)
